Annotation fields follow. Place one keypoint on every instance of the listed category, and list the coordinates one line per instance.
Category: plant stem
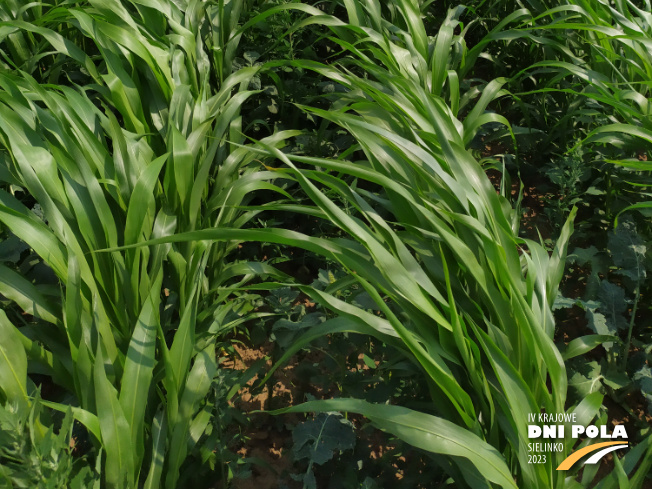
(631, 327)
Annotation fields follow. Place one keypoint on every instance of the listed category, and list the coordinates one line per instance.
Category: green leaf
(588, 408)
(644, 379)
(616, 379)
(583, 344)
(368, 361)
(613, 305)
(318, 439)
(139, 365)
(587, 380)
(562, 302)
(598, 322)
(115, 430)
(159, 437)
(423, 431)
(287, 331)
(89, 420)
(195, 390)
(26, 295)
(13, 364)
(582, 256)
(628, 250)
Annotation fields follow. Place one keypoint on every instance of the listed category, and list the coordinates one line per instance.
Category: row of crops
(373, 238)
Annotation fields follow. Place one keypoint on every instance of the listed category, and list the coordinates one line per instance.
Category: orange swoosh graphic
(575, 456)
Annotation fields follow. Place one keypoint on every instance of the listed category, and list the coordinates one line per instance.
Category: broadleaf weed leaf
(11, 249)
(644, 379)
(599, 263)
(286, 331)
(582, 256)
(613, 305)
(598, 323)
(281, 299)
(562, 302)
(586, 379)
(628, 250)
(320, 438)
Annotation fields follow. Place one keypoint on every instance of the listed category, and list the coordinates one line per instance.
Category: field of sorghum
(332, 244)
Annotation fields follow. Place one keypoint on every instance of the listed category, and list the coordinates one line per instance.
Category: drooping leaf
(424, 431)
